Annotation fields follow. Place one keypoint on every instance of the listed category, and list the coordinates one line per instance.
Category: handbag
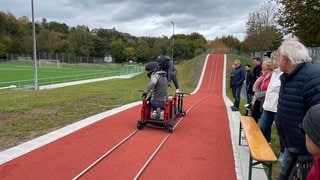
(297, 166)
(260, 95)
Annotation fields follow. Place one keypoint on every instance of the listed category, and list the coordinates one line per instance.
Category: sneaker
(153, 114)
(158, 113)
(246, 105)
(177, 90)
(162, 115)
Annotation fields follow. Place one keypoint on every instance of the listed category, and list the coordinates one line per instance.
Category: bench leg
(250, 168)
(240, 128)
(268, 167)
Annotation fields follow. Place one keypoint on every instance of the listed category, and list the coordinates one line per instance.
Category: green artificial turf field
(21, 73)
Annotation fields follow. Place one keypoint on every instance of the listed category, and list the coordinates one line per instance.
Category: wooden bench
(260, 150)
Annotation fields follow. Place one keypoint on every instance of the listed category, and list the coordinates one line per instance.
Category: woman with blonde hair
(260, 86)
(270, 104)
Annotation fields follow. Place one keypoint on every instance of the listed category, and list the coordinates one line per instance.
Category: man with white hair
(299, 90)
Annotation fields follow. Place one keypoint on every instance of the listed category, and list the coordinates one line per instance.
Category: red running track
(199, 147)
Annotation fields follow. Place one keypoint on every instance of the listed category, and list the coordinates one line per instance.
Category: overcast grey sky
(211, 18)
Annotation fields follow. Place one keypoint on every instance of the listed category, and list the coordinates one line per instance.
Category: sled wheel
(139, 125)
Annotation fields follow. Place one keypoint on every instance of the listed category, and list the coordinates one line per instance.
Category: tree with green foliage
(81, 40)
(301, 19)
(142, 51)
(160, 47)
(117, 51)
(12, 30)
(129, 54)
(101, 46)
(261, 31)
(47, 41)
(5, 43)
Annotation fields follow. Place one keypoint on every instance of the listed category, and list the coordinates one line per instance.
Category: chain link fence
(69, 58)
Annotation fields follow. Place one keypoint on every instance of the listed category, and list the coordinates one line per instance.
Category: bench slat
(260, 149)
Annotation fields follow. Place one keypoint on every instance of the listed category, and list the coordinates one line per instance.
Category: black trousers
(257, 110)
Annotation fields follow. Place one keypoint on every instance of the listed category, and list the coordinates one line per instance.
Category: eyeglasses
(301, 129)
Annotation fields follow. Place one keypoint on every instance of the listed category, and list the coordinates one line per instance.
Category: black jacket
(249, 81)
(256, 72)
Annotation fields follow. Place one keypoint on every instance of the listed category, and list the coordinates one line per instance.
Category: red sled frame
(173, 108)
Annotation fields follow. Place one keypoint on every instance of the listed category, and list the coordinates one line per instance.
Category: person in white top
(271, 102)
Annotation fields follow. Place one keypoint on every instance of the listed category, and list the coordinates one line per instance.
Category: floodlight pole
(172, 39)
(36, 87)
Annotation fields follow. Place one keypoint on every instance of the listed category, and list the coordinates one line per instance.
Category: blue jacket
(239, 75)
(299, 90)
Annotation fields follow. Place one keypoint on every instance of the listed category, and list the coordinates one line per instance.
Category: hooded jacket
(158, 86)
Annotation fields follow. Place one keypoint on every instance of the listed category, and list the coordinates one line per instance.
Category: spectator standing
(299, 90)
(249, 84)
(231, 77)
(257, 68)
(269, 107)
(311, 129)
(260, 87)
(256, 74)
(237, 82)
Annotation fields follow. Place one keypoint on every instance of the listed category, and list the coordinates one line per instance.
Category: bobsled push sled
(173, 107)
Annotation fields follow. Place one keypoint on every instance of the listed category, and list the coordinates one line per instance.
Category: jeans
(157, 104)
(266, 121)
(237, 90)
(249, 95)
(233, 92)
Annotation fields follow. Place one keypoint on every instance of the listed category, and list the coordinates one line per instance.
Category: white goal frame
(55, 62)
